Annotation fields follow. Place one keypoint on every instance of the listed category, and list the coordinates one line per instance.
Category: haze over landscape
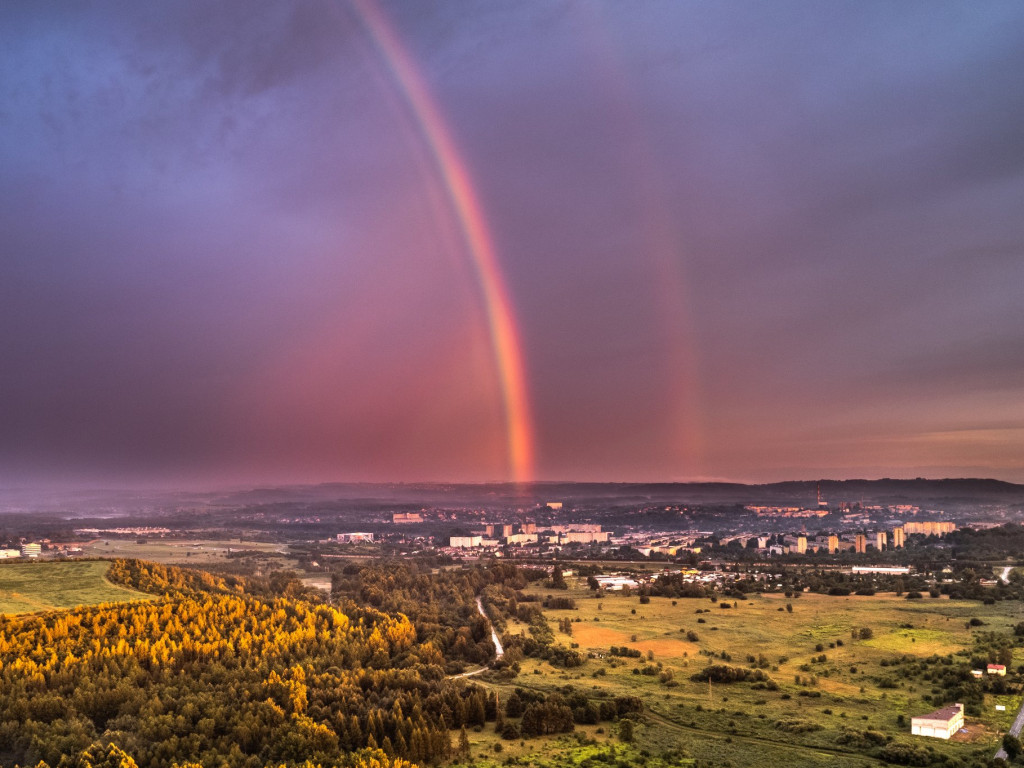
(270, 243)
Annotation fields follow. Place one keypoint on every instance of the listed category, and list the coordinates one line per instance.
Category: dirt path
(499, 651)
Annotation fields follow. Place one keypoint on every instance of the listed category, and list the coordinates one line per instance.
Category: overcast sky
(748, 241)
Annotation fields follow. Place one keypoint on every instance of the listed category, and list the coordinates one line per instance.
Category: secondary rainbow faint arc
(500, 316)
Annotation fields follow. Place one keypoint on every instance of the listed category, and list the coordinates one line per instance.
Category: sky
(257, 242)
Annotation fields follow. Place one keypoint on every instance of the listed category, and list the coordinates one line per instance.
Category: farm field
(835, 693)
(45, 585)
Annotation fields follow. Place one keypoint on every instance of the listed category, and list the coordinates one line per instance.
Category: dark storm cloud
(221, 253)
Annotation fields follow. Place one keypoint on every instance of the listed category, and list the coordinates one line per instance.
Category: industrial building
(940, 724)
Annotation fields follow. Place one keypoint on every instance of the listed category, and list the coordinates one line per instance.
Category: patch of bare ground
(973, 732)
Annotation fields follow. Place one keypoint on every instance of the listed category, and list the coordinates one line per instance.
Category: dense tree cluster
(441, 605)
(723, 673)
(225, 678)
(159, 579)
(559, 712)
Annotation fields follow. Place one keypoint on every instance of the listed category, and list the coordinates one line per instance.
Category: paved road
(1018, 723)
(498, 650)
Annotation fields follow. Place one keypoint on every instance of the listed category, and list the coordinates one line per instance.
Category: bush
(626, 730)
(905, 754)
(723, 673)
(797, 726)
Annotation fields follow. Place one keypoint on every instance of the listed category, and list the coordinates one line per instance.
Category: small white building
(996, 669)
(615, 583)
(891, 569)
(350, 538)
(940, 724)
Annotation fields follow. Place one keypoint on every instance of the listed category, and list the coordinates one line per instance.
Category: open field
(832, 686)
(188, 552)
(44, 585)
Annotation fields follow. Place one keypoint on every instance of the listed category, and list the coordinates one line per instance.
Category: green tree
(626, 730)
(1012, 746)
(557, 579)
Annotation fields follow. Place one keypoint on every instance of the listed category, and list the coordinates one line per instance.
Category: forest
(244, 672)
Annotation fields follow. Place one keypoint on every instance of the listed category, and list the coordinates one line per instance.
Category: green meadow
(44, 585)
(834, 696)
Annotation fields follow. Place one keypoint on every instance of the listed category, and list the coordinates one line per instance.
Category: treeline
(159, 579)
(993, 544)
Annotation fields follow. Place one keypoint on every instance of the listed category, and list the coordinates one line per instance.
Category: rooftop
(946, 713)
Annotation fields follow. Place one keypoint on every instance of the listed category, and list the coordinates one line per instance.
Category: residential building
(31, 550)
(931, 527)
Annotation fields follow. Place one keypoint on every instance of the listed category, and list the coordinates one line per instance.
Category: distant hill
(950, 494)
(956, 491)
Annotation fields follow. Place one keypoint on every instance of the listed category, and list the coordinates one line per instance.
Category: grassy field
(818, 714)
(193, 553)
(44, 585)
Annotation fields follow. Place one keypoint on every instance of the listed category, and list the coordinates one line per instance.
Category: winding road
(1018, 721)
(499, 651)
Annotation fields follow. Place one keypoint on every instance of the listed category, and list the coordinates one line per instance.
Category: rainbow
(465, 203)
